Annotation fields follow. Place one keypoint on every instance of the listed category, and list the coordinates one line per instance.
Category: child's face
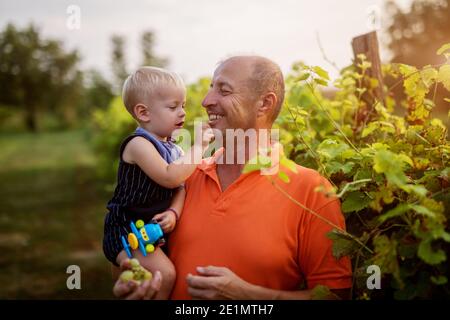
(166, 110)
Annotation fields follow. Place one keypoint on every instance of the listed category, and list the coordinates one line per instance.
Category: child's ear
(142, 112)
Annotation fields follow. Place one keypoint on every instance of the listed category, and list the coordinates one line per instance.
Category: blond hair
(141, 85)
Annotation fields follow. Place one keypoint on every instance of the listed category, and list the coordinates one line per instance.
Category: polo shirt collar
(208, 165)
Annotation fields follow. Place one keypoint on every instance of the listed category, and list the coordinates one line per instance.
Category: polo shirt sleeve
(315, 258)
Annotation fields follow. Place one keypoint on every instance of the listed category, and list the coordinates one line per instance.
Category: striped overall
(136, 195)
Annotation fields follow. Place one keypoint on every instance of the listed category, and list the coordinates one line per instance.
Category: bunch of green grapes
(137, 273)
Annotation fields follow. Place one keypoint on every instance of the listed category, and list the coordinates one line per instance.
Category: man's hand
(166, 220)
(217, 283)
(132, 291)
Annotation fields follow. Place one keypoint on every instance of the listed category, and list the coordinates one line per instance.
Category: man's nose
(209, 99)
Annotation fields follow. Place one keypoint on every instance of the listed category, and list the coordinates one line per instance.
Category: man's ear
(142, 112)
(266, 105)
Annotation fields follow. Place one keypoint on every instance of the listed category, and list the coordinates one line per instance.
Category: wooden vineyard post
(368, 45)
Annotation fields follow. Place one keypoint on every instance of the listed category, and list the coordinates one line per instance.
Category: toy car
(144, 237)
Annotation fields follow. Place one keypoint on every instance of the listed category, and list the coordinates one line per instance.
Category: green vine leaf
(402, 208)
(321, 82)
(443, 49)
(321, 73)
(391, 165)
(283, 176)
(444, 76)
(439, 280)
(343, 245)
(428, 254)
(355, 201)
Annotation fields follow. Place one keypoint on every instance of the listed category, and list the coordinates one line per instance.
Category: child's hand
(166, 220)
(207, 135)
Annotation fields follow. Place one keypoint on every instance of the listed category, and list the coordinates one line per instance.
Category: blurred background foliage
(60, 128)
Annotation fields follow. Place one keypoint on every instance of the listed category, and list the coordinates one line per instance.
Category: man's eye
(224, 92)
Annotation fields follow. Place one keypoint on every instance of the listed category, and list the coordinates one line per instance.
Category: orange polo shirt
(257, 232)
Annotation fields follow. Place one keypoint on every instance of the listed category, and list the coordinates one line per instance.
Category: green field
(51, 216)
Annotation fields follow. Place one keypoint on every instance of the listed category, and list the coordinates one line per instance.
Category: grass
(51, 216)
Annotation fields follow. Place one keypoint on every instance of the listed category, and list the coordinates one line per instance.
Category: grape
(148, 275)
(137, 273)
(134, 263)
(126, 276)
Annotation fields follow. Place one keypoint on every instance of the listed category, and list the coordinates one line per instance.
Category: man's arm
(261, 293)
(218, 283)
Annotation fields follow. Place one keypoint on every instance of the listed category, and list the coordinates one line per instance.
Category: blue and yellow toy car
(144, 237)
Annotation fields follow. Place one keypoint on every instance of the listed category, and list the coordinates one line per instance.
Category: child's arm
(142, 152)
(178, 201)
(168, 219)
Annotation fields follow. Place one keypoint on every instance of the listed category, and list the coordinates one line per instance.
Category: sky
(195, 35)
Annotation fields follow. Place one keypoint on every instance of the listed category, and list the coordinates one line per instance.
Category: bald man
(239, 237)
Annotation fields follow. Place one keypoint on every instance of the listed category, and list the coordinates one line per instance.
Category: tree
(415, 35)
(148, 55)
(118, 65)
(99, 92)
(37, 74)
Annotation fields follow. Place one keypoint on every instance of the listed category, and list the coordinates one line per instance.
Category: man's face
(230, 104)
